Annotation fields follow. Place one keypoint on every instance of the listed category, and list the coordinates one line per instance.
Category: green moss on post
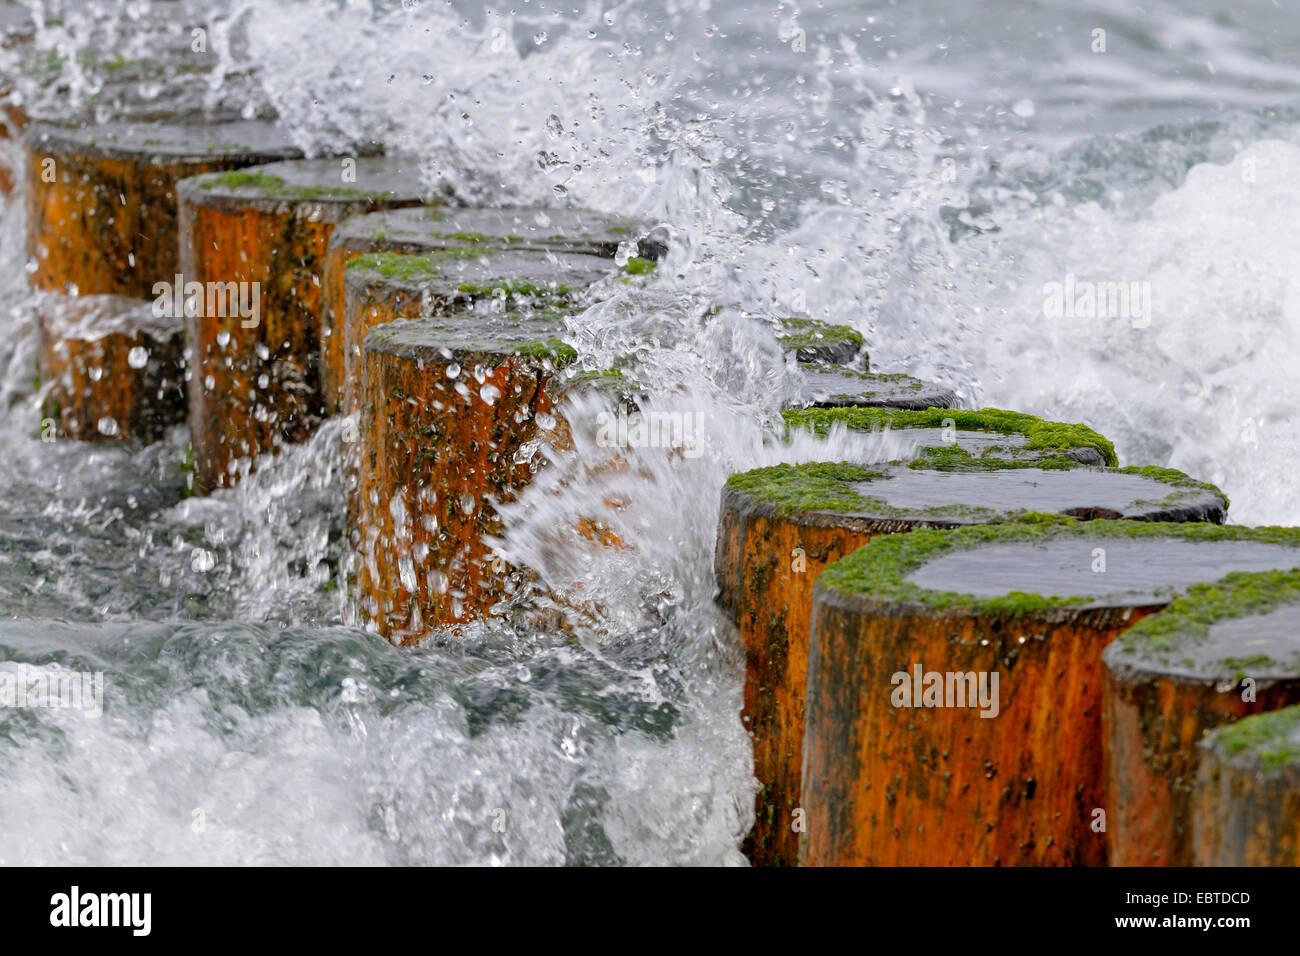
(897, 780)
(1045, 438)
(813, 340)
(1222, 652)
(1248, 793)
(846, 489)
(834, 386)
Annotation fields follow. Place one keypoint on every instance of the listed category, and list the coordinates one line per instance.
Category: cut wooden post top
(456, 277)
(1247, 797)
(479, 340)
(962, 436)
(518, 228)
(818, 342)
(167, 143)
(1052, 564)
(319, 183)
(830, 386)
(1247, 625)
(1222, 652)
(891, 497)
(1266, 745)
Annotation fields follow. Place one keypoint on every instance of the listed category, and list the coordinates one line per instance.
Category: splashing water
(922, 172)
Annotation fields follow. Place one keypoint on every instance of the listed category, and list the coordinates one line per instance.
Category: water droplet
(490, 394)
(107, 426)
(467, 504)
(223, 338)
(453, 370)
(96, 374)
(138, 357)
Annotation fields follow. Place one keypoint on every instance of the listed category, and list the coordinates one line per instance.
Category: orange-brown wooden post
(954, 685)
(1248, 793)
(102, 221)
(1223, 652)
(112, 370)
(449, 407)
(442, 233)
(256, 238)
(781, 526)
(101, 201)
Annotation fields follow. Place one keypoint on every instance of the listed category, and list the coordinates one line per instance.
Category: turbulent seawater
(919, 170)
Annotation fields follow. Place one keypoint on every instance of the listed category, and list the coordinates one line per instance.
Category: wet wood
(818, 343)
(111, 369)
(768, 555)
(837, 385)
(893, 777)
(256, 381)
(888, 786)
(1248, 801)
(960, 438)
(444, 282)
(426, 231)
(450, 409)
(101, 201)
(1162, 698)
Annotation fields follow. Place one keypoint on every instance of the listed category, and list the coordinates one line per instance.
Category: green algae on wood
(813, 340)
(1222, 652)
(1247, 800)
(1271, 740)
(880, 571)
(1029, 602)
(993, 489)
(1052, 439)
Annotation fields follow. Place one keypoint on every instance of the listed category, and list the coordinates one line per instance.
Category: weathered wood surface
(256, 380)
(1218, 655)
(890, 780)
(101, 201)
(452, 231)
(112, 370)
(838, 385)
(780, 526)
(1248, 794)
(452, 410)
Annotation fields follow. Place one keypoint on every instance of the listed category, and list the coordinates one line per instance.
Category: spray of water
(870, 178)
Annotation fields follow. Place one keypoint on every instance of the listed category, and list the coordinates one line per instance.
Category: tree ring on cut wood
(900, 767)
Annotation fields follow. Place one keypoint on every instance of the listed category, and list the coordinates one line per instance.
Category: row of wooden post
(850, 626)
